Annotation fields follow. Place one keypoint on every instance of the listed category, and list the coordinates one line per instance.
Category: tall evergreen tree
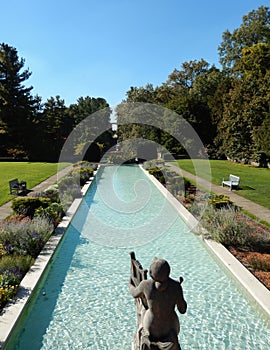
(17, 105)
(54, 125)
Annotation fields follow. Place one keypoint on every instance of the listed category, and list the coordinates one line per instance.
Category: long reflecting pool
(83, 301)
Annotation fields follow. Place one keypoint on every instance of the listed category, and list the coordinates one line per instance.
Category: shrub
(116, 159)
(219, 201)
(7, 291)
(67, 182)
(54, 212)
(9, 278)
(81, 174)
(12, 270)
(158, 173)
(52, 192)
(259, 264)
(153, 163)
(70, 185)
(17, 152)
(66, 200)
(25, 237)
(224, 227)
(85, 164)
(177, 185)
(20, 263)
(28, 205)
(3, 252)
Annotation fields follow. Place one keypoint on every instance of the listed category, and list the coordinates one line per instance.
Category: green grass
(254, 181)
(32, 173)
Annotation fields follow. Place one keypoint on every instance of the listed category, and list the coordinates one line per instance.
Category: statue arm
(181, 303)
(136, 292)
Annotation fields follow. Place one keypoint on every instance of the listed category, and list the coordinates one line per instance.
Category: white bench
(232, 182)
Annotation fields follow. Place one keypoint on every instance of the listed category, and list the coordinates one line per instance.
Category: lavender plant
(26, 237)
(223, 226)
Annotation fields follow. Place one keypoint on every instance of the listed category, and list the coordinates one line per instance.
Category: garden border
(13, 310)
(250, 283)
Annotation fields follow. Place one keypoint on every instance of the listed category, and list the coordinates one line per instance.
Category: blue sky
(101, 48)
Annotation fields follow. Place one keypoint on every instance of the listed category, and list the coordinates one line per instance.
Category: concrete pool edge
(262, 296)
(250, 283)
(13, 311)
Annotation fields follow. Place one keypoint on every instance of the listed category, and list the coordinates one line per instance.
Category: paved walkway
(5, 210)
(259, 211)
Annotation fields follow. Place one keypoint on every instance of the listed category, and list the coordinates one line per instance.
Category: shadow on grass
(24, 193)
(246, 188)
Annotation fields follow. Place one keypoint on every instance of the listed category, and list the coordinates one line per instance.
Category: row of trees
(229, 108)
(36, 130)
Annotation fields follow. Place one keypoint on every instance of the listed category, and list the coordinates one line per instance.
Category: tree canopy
(254, 29)
(18, 107)
(30, 128)
(228, 107)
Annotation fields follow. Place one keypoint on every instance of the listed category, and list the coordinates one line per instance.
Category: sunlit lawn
(254, 181)
(32, 173)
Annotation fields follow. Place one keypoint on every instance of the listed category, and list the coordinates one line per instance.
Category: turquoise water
(83, 301)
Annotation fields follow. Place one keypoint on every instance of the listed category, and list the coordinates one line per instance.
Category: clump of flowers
(26, 237)
(224, 227)
(12, 270)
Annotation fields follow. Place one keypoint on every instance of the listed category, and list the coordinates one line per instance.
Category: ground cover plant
(21, 240)
(31, 172)
(254, 181)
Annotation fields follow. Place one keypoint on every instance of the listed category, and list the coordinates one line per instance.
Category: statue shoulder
(176, 285)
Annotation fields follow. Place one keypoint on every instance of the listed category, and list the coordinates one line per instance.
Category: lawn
(32, 173)
(254, 181)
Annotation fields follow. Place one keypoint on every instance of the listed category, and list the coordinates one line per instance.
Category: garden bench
(15, 186)
(232, 182)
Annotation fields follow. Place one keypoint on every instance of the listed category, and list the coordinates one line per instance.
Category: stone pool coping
(250, 283)
(12, 312)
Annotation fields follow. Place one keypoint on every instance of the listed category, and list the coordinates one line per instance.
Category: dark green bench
(16, 187)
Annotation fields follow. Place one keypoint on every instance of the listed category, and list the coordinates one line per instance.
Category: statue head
(159, 270)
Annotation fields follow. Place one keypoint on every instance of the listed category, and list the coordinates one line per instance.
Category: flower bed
(247, 239)
(24, 234)
(252, 244)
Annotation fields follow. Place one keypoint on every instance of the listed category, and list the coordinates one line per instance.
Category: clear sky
(100, 48)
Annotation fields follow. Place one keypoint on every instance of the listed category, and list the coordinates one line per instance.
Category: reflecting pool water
(83, 301)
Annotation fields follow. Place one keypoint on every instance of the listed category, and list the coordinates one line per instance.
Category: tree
(87, 106)
(254, 29)
(191, 90)
(190, 70)
(17, 106)
(263, 139)
(188, 93)
(53, 127)
(246, 107)
(92, 116)
(145, 94)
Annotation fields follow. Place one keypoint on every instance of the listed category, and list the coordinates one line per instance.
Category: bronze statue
(155, 299)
